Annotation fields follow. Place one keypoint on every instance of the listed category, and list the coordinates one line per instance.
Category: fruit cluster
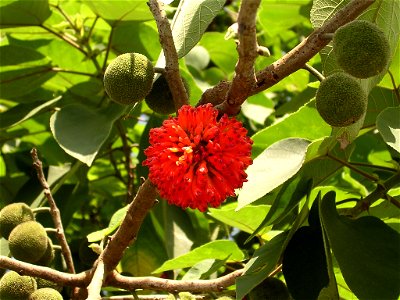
(28, 242)
(128, 79)
(362, 50)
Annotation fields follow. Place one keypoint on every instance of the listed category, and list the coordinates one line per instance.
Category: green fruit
(340, 100)
(270, 289)
(44, 283)
(13, 286)
(160, 98)
(128, 78)
(46, 294)
(224, 298)
(361, 49)
(186, 296)
(28, 241)
(48, 256)
(12, 215)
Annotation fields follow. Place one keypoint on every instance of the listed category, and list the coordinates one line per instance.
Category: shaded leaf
(388, 124)
(367, 251)
(15, 13)
(271, 168)
(81, 131)
(219, 249)
(22, 112)
(203, 269)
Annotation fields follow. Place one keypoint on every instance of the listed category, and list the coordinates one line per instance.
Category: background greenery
(52, 57)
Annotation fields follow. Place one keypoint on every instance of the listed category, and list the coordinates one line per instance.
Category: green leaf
(81, 131)
(271, 168)
(203, 269)
(22, 112)
(190, 22)
(367, 251)
(115, 11)
(247, 219)
(260, 265)
(15, 13)
(115, 221)
(219, 249)
(305, 123)
(388, 124)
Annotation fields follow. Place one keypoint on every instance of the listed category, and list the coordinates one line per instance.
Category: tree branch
(244, 80)
(123, 237)
(168, 285)
(172, 74)
(294, 59)
(54, 211)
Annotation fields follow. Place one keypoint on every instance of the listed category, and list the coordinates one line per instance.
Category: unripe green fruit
(13, 286)
(48, 256)
(46, 294)
(28, 241)
(341, 100)
(160, 98)
(44, 283)
(128, 78)
(224, 298)
(361, 49)
(270, 289)
(12, 215)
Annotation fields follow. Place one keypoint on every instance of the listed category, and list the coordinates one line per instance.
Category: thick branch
(172, 74)
(296, 58)
(154, 283)
(244, 80)
(61, 278)
(54, 211)
(123, 237)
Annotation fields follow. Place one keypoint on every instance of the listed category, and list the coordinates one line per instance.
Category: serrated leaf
(271, 168)
(191, 21)
(81, 131)
(22, 112)
(15, 13)
(366, 249)
(388, 124)
(219, 249)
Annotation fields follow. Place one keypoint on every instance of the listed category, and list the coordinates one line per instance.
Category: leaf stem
(56, 69)
(66, 17)
(314, 72)
(395, 87)
(64, 38)
(353, 168)
(108, 49)
(383, 168)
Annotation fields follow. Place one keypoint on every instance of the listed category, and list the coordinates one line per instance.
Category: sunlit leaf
(388, 124)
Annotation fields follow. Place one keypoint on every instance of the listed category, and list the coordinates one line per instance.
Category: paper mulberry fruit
(12, 215)
(128, 78)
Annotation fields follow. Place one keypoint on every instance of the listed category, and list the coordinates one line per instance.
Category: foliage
(333, 190)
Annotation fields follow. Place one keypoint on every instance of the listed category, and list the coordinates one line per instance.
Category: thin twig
(66, 17)
(244, 80)
(56, 69)
(64, 38)
(55, 212)
(128, 161)
(172, 75)
(103, 68)
(294, 59)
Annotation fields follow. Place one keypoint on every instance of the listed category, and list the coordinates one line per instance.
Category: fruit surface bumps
(28, 241)
(128, 78)
(14, 286)
(46, 294)
(340, 100)
(48, 255)
(160, 98)
(361, 49)
(12, 215)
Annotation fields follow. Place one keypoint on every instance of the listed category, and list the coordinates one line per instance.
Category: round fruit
(160, 98)
(13, 286)
(28, 241)
(44, 283)
(46, 294)
(12, 215)
(48, 256)
(270, 289)
(341, 100)
(361, 49)
(128, 78)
